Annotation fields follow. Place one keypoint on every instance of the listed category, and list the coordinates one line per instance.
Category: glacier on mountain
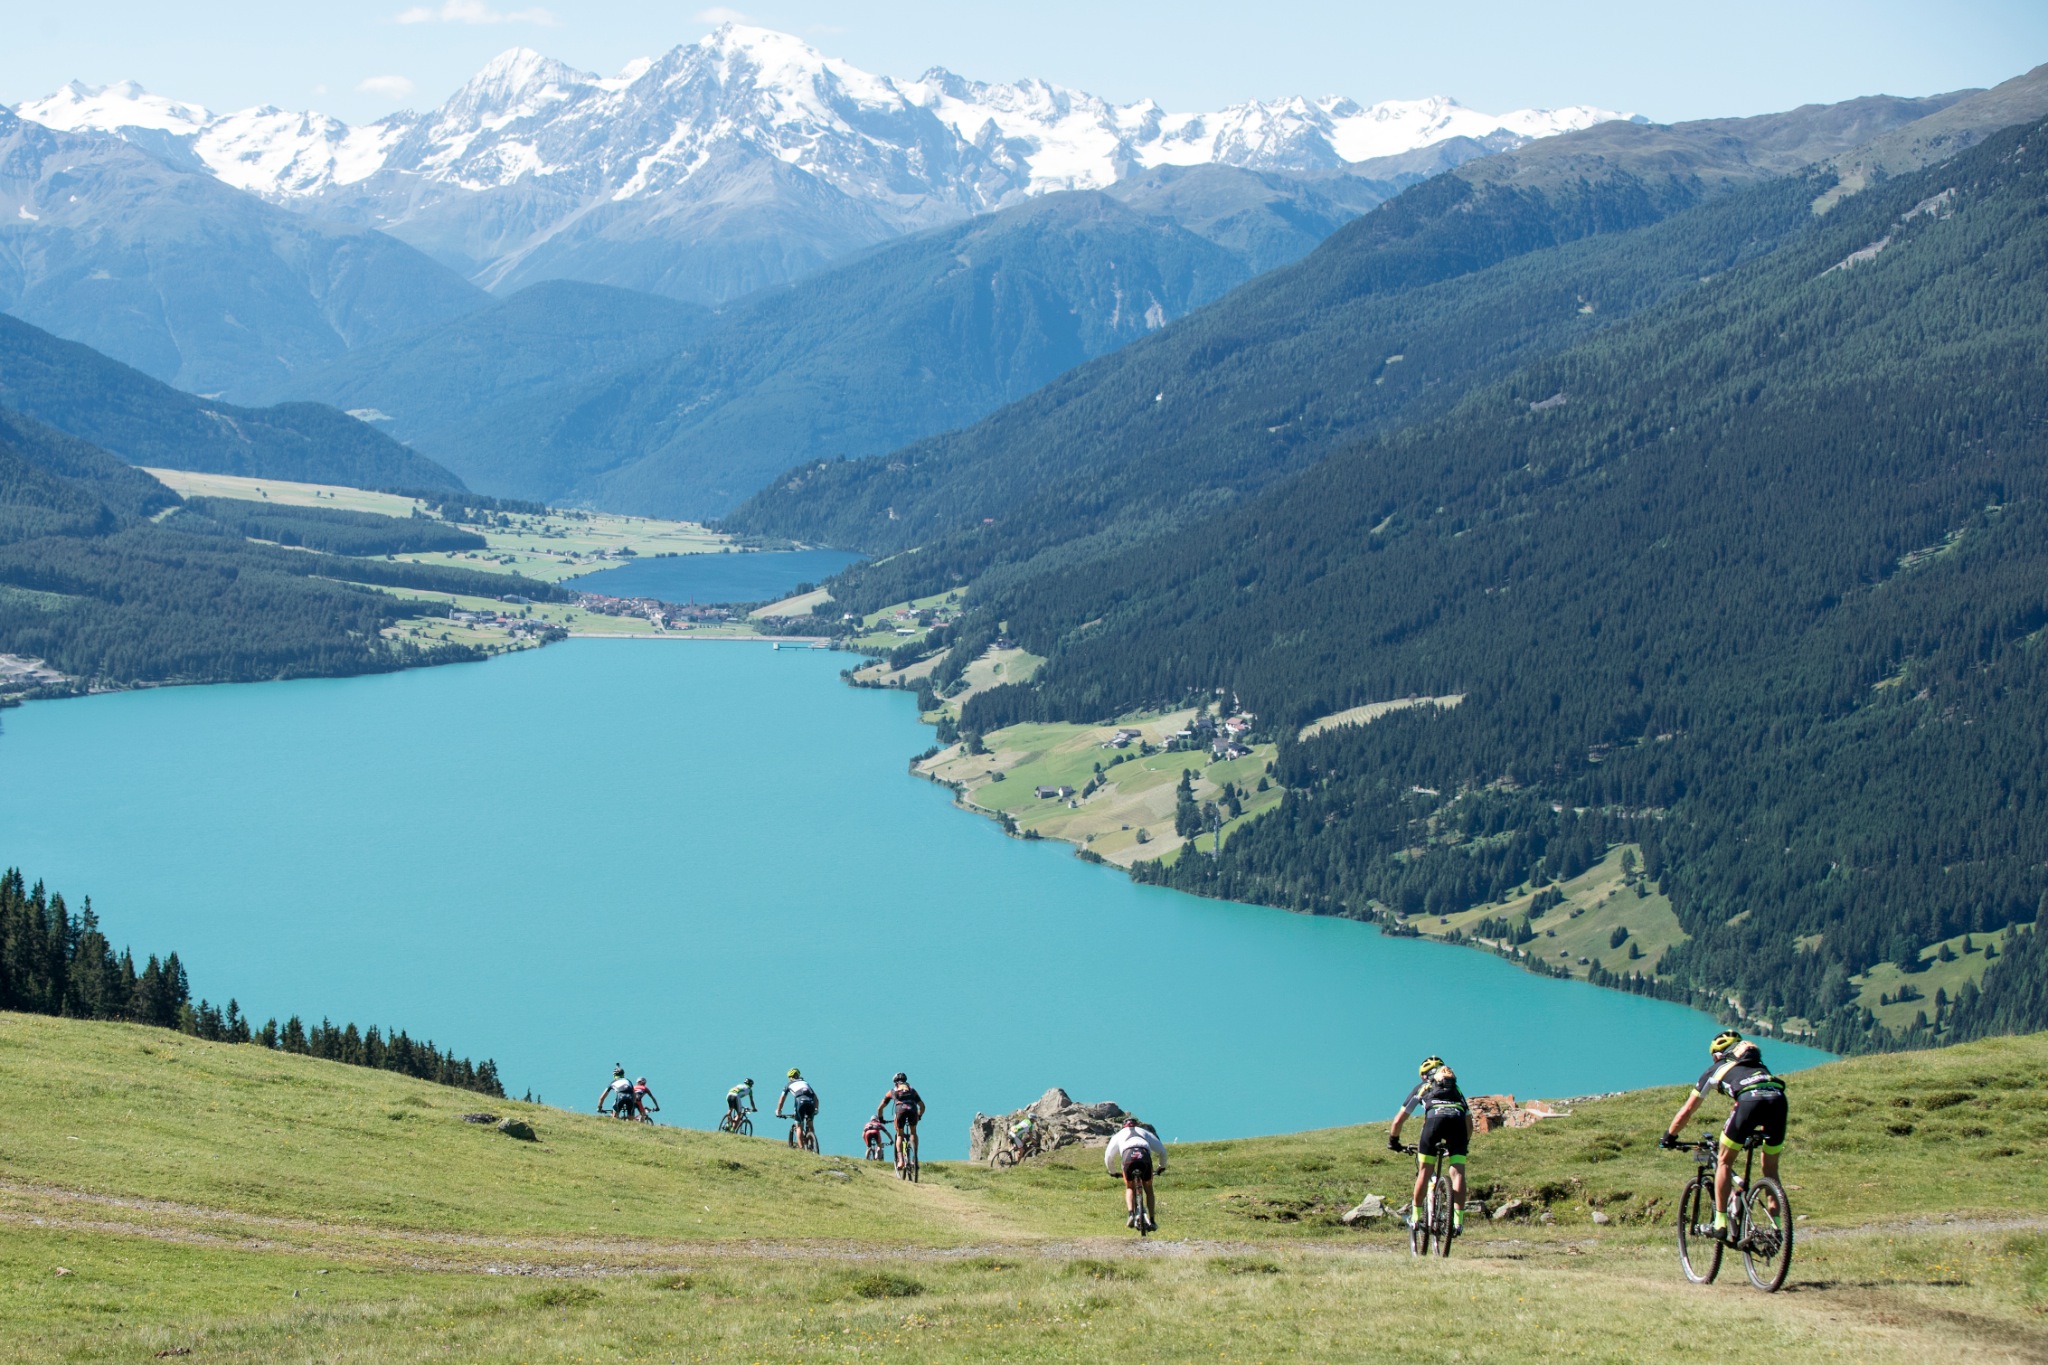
(752, 136)
(526, 114)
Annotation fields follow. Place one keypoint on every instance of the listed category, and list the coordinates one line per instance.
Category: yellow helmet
(1429, 1064)
(1724, 1040)
(794, 1073)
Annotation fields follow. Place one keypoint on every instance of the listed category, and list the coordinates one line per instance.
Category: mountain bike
(1432, 1224)
(736, 1121)
(801, 1134)
(1141, 1218)
(1759, 1219)
(906, 1154)
(1013, 1151)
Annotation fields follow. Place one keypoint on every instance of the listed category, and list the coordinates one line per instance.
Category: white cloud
(720, 14)
(476, 12)
(391, 87)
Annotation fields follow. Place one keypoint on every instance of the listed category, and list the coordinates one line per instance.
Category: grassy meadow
(163, 1195)
(1138, 794)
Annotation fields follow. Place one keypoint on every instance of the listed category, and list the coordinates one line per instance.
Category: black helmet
(899, 1076)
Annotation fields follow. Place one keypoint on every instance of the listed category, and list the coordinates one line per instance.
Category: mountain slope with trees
(106, 577)
(189, 280)
(1308, 358)
(1754, 580)
(98, 399)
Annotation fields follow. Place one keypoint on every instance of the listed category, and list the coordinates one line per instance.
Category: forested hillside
(55, 962)
(1757, 580)
(1393, 317)
(103, 587)
(687, 415)
(77, 390)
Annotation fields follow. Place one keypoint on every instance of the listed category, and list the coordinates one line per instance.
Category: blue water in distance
(761, 576)
(708, 861)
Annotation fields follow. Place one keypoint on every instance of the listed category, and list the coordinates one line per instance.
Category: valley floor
(164, 1196)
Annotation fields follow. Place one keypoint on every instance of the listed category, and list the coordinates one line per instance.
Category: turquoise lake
(708, 861)
(761, 576)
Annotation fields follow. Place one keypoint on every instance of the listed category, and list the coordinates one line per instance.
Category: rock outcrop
(1061, 1123)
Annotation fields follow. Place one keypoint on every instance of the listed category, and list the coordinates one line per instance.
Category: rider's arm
(1158, 1150)
(1692, 1102)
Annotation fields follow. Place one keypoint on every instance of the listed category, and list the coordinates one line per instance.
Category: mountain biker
(909, 1109)
(1134, 1153)
(618, 1094)
(1021, 1132)
(644, 1102)
(739, 1101)
(1737, 1071)
(871, 1136)
(1446, 1120)
(803, 1100)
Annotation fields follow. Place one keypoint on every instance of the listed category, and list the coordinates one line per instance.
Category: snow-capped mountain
(783, 155)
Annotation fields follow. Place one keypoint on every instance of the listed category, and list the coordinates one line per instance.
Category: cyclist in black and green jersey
(739, 1102)
(1737, 1071)
(1445, 1119)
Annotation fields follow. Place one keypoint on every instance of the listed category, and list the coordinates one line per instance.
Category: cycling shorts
(732, 1102)
(1138, 1164)
(1452, 1129)
(806, 1106)
(1760, 1111)
(906, 1119)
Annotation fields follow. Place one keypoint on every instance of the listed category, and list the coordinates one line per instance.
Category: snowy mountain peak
(517, 83)
(105, 108)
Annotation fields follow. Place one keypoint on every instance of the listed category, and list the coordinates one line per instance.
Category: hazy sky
(360, 59)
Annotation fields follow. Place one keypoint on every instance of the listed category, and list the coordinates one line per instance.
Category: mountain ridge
(533, 168)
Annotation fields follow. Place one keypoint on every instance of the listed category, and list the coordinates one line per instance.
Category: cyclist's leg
(1151, 1202)
(1130, 1194)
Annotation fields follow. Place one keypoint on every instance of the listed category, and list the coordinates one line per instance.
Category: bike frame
(1426, 1226)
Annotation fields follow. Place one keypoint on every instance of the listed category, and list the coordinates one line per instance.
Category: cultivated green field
(550, 548)
(163, 1195)
(1580, 932)
(1138, 795)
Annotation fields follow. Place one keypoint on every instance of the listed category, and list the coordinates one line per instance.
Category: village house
(1054, 793)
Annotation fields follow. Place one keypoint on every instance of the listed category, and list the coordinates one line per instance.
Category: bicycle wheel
(1420, 1219)
(1766, 1234)
(810, 1138)
(1004, 1158)
(1699, 1252)
(746, 1128)
(1440, 1207)
(910, 1162)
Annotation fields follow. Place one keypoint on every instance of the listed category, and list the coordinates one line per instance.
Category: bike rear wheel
(1004, 1158)
(746, 1128)
(1419, 1226)
(906, 1150)
(810, 1138)
(1440, 1199)
(1699, 1253)
(1767, 1234)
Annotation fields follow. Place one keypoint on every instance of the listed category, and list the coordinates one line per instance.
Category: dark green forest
(1757, 579)
(1392, 320)
(98, 587)
(55, 962)
(125, 412)
(330, 530)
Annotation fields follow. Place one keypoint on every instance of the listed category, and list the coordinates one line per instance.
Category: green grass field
(1138, 795)
(163, 1195)
(559, 545)
(1880, 989)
